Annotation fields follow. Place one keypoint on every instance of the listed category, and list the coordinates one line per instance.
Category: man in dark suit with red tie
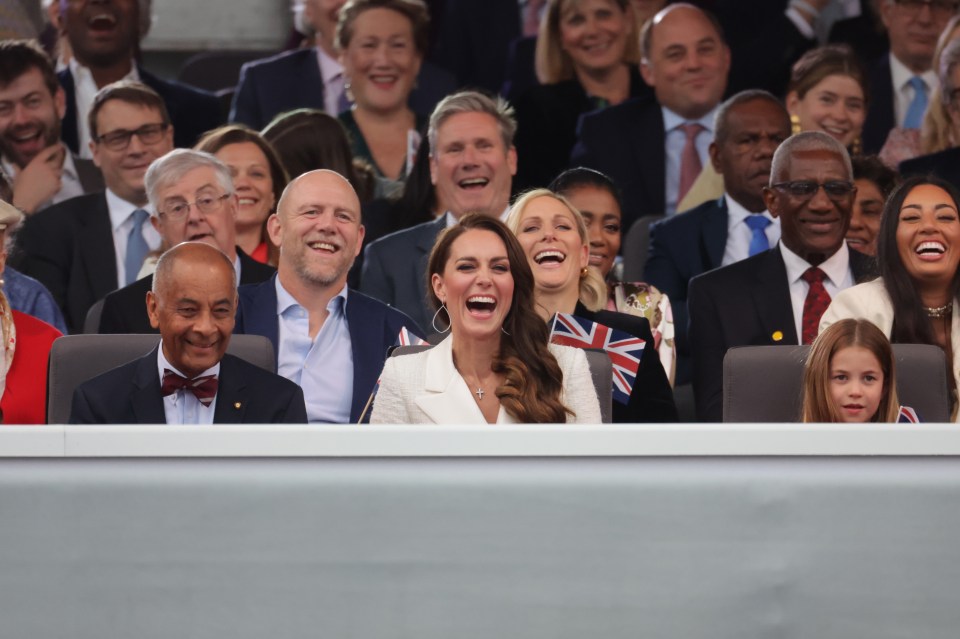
(777, 296)
(189, 378)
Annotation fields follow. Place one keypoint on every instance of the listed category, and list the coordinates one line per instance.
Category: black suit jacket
(626, 142)
(880, 115)
(193, 112)
(395, 266)
(69, 248)
(652, 397)
(682, 247)
(130, 394)
(547, 117)
(292, 80)
(125, 310)
(743, 304)
(943, 164)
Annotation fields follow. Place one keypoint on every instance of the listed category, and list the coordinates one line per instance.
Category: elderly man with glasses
(85, 247)
(777, 296)
(192, 199)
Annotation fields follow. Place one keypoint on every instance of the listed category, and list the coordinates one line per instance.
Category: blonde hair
(936, 131)
(593, 290)
(553, 64)
(818, 405)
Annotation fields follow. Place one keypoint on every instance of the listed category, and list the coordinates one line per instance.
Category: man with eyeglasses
(192, 199)
(85, 247)
(777, 296)
(43, 169)
(902, 81)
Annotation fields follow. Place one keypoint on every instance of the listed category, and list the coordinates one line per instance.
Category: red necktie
(204, 388)
(816, 303)
(690, 166)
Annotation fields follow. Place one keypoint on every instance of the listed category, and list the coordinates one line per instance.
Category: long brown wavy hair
(532, 379)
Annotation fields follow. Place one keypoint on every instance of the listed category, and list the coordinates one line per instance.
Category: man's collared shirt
(836, 267)
(183, 407)
(451, 219)
(331, 73)
(70, 185)
(84, 90)
(675, 140)
(322, 366)
(121, 223)
(739, 234)
(903, 92)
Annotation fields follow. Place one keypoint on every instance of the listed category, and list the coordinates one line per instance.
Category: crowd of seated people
(362, 193)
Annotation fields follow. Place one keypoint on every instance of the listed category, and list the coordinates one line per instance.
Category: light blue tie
(758, 241)
(919, 105)
(137, 248)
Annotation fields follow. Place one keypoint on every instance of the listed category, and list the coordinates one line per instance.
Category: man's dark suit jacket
(682, 247)
(395, 267)
(374, 328)
(130, 394)
(880, 115)
(125, 310)
(626, 142)
(652, 397)
(193, 112)
(743, 304)
(292, 80)
(943, 164)
(69, 248)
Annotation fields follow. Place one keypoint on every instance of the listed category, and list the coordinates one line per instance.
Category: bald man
(330, 340)
(189, 378)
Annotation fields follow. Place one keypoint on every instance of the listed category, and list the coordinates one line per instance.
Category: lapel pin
(236, 405)
(777, 336)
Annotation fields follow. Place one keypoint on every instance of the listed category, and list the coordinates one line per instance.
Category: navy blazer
(374, 328)
(192, 112)
(292, 80)
(125, 310)
(746, 303)
(682, 247)
(130, 394)
(395, 267)
(880, 115)
(627, 142)
(69, 248)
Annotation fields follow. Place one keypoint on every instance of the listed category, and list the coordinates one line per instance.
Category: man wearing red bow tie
(189, 378)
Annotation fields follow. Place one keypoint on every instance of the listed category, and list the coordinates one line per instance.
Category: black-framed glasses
(806, 189)
(120, 139)
(206, 204)
(940, 8)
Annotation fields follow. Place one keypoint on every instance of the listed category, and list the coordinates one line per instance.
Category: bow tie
(204, 388)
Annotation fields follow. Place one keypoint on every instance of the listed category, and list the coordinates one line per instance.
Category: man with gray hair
(192, 199)
(777, 296)
(472, 164)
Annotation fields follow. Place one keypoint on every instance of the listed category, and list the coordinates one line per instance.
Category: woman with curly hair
(496, 366)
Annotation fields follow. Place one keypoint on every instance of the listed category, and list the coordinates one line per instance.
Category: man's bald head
(190, 255)
(321, 178)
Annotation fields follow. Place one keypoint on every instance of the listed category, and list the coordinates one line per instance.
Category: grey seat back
(76, 358)
(764, 383)
(601, 372)
(636, 244)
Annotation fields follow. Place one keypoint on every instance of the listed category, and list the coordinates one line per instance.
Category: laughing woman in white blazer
(496, 366)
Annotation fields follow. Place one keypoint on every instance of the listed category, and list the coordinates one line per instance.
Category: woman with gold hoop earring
(554, 237)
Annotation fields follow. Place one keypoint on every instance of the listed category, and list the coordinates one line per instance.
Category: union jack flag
(623, 349)
(908, 416)
(406, 338)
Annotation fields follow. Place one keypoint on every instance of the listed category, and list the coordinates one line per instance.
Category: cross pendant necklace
(479, 393)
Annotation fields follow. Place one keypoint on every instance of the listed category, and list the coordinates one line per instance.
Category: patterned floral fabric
(639, 298)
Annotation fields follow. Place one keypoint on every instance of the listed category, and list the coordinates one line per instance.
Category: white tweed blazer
(425, 388)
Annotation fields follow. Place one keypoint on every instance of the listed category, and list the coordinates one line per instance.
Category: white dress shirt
(739, 235)
(903, 92)
(121, 222)
(84, 90)
(675, 140)
(183, 407)
(836, 268)
(331, 72)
